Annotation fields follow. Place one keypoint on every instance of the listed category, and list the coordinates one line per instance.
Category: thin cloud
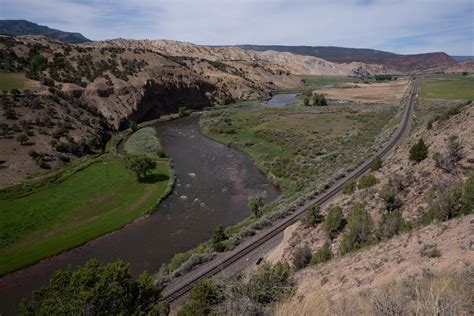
(398, 25)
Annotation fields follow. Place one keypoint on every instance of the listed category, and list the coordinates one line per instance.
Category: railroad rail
(401, 132)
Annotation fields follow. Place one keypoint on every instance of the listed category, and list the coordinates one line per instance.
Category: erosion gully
(212, 185)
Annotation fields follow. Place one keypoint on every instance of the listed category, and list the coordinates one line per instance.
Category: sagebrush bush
(333, 221)
(322, 255)
(301, 257)
(204, 296)
(367, 181)
(349, 187)
(389, 196)
(458, 201)
(376, 163)
(390, 225)
(419, 151)
(359, 230)
(313, 215)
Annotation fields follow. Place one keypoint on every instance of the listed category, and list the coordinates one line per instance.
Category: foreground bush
(313, 216)
(419, 151)
(96, 289)
(301, 257)
(359, 230)
(349, 187)
(322, 255)
(252, 296)
(333, 222)
(458, 201)
(367, 181)
(204, 296)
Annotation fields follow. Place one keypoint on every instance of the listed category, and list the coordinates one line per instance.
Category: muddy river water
(212, 185)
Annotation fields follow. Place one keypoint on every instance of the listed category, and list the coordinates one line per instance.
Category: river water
(212, 185)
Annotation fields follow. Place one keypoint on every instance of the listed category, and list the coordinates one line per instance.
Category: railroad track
(399, 134)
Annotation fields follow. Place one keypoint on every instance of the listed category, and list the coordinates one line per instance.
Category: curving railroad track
(401, 132)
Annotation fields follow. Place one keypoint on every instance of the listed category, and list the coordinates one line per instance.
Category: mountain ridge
(24, 27)
(410, 62)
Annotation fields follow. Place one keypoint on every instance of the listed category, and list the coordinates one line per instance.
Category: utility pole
(106, 170)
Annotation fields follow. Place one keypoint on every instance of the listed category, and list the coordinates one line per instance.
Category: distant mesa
(23, 27)
(368, 56)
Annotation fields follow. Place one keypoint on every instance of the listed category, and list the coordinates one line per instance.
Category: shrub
(256, 203)
(390, 225)
(313, 215)
(429, 125)
(96, 289)
(322, 255)
(204, 296)
(376, 163)
(349, 187)
(218, 237)
(448, 162)
(133, 126)
(301, 257)
(359, 230)
(141, 166)
(430, 251)
(182, 111)
(306, 101)
(419, 151)
(333, 221)
(367, 181)
(269, 283)
(389, 195)
(319, 100)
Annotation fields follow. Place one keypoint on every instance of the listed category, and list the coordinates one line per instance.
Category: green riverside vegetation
(73, 205)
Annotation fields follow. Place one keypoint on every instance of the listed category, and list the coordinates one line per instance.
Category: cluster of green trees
(253, 295)
(141, 166)
(317, 100)
(96, 289)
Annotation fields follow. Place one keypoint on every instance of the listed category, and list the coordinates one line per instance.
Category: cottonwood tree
(141, 166)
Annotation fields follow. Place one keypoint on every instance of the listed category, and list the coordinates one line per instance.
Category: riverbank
(97, 199)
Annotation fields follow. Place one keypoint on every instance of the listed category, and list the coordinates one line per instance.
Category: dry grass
(444, 293)
(389, 92)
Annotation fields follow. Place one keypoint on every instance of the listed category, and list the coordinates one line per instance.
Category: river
(212, 185)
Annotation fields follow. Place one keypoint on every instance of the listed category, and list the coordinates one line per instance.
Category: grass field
(327, 80)
(447, 86)
(10, 81)
(301, 147)
(98, 199)
(143, 142)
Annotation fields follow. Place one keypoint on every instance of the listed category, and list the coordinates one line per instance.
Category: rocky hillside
(76, 91)
(23, 27)
(404, 63)
(463, 66)
(293, 63)
(379, 229)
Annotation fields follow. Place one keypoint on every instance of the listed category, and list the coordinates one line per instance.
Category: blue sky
(402, 26)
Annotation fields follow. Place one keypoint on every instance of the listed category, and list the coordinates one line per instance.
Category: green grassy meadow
(301, 147)
(10, 81)
(54, 217)
(327, 80)
(447, 86)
